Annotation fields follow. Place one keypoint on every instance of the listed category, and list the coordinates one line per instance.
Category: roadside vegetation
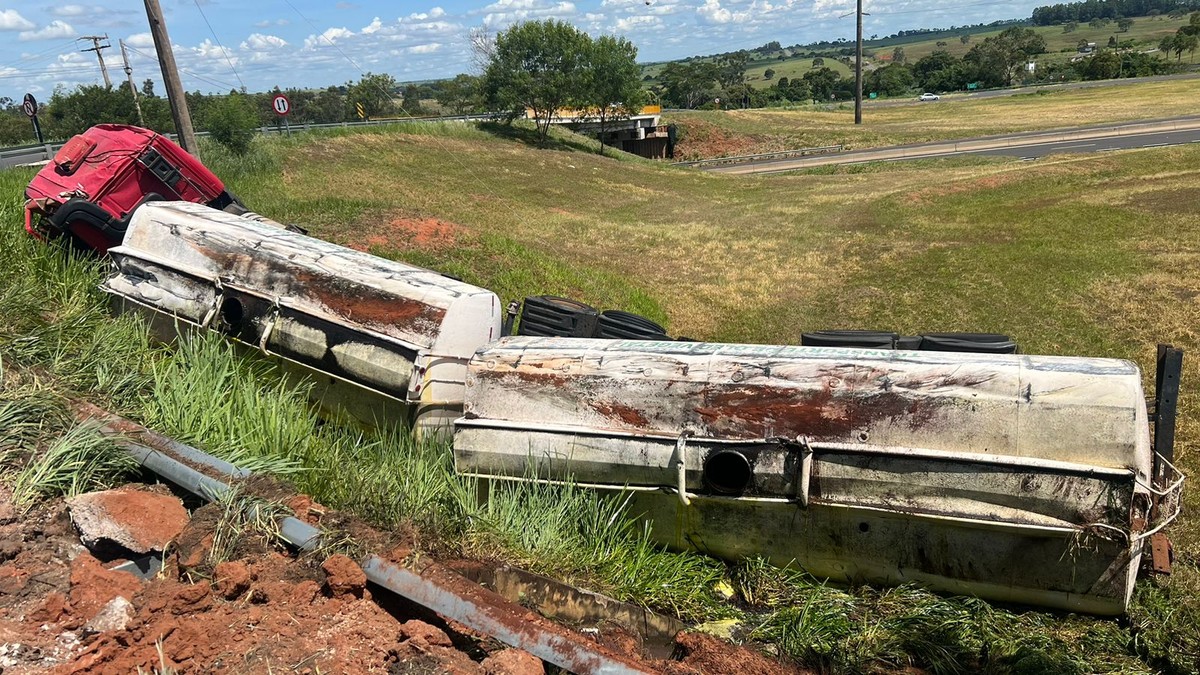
(1089, 256)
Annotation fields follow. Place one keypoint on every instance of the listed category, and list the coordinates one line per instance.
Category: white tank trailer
(365, 329)
(1030, 479)
(1026, 479)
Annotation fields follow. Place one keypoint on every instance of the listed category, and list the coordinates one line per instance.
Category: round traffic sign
(29, 105)
(281, 104)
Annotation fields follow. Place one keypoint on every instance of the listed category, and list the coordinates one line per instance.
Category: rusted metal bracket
(1162, 553)
(1166, 400)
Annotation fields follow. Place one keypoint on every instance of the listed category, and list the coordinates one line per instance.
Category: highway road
(1148, 140)
(1027, 145)
(1031, 89)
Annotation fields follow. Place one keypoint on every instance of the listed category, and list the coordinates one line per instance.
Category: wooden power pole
(132, 87)
(170, 74)
(858, 78)
(98, 48)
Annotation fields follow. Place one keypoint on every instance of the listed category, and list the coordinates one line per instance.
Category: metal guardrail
(783, 154)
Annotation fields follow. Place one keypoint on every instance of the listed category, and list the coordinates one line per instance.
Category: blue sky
(310, 43)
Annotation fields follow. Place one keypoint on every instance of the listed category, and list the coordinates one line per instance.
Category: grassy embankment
(1095, 255)
(735, 132)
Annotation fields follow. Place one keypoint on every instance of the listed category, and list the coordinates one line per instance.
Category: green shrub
(232, 122)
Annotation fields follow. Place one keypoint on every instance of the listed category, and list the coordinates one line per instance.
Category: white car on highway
(928, 97)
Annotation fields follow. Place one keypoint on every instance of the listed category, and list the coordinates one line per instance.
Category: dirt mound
(411, 233)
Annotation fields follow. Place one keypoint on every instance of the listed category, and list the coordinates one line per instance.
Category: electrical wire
(216, 39)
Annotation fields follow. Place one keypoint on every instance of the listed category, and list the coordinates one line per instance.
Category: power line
(216, 39)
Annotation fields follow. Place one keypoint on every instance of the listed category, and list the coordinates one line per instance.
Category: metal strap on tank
(266, 334)
(805, 478)
(680, 460)
(218, 300)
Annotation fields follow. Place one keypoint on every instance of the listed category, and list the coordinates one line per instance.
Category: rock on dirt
(114, 616)
(513, 662)
(135, 517)
(233, 579)
(344, 577)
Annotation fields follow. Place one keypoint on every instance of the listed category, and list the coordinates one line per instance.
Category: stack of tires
(977, 343)
(548, 315)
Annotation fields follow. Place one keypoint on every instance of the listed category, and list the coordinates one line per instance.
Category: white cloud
(70, 10)
(373, 27)
(424, 49)
(140, 41)
(330, 35)
(267, 23)
(259, 42)
(435, 13)
(631, 23)
(11, 19)
(55, 30)
(504, 12)
(713, 12)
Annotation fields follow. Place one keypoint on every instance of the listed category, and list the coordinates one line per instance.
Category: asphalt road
(1148, 140)
(1032, 89)
(1025, 145)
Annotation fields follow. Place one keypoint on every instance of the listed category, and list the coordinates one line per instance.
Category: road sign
(972, 85)
(874, 94)
(361, 114)
(281, 105)
(30, 105)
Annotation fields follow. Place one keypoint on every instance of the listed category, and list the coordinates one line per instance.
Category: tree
(941, 43)
(231, 122)
(1103, 66)
(892, 80)
(148, 88)
(818, 62)
(822, 83)
(460, 95)
(733, 69)
(539, 66)
(1112, 42)
(374, 92)
(996, 59)
(686, 84)
(898, 55)
(1070, 26)
(769, 73)
(411, 100)
(612, 90)
(1124, 25)
(964, 38)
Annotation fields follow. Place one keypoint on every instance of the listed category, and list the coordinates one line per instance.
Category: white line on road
(1157, 145)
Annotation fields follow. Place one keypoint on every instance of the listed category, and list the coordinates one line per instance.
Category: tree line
(1050, 15)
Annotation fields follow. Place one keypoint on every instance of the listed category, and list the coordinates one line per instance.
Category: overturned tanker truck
(1021, 478)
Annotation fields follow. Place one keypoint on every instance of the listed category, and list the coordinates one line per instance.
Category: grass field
(1096, 255)
(769, 129)
(1146, 33)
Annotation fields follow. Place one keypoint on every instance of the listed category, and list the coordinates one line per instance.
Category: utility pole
(97, 47)
(858, 78)
(132, 87)
(166, 61)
